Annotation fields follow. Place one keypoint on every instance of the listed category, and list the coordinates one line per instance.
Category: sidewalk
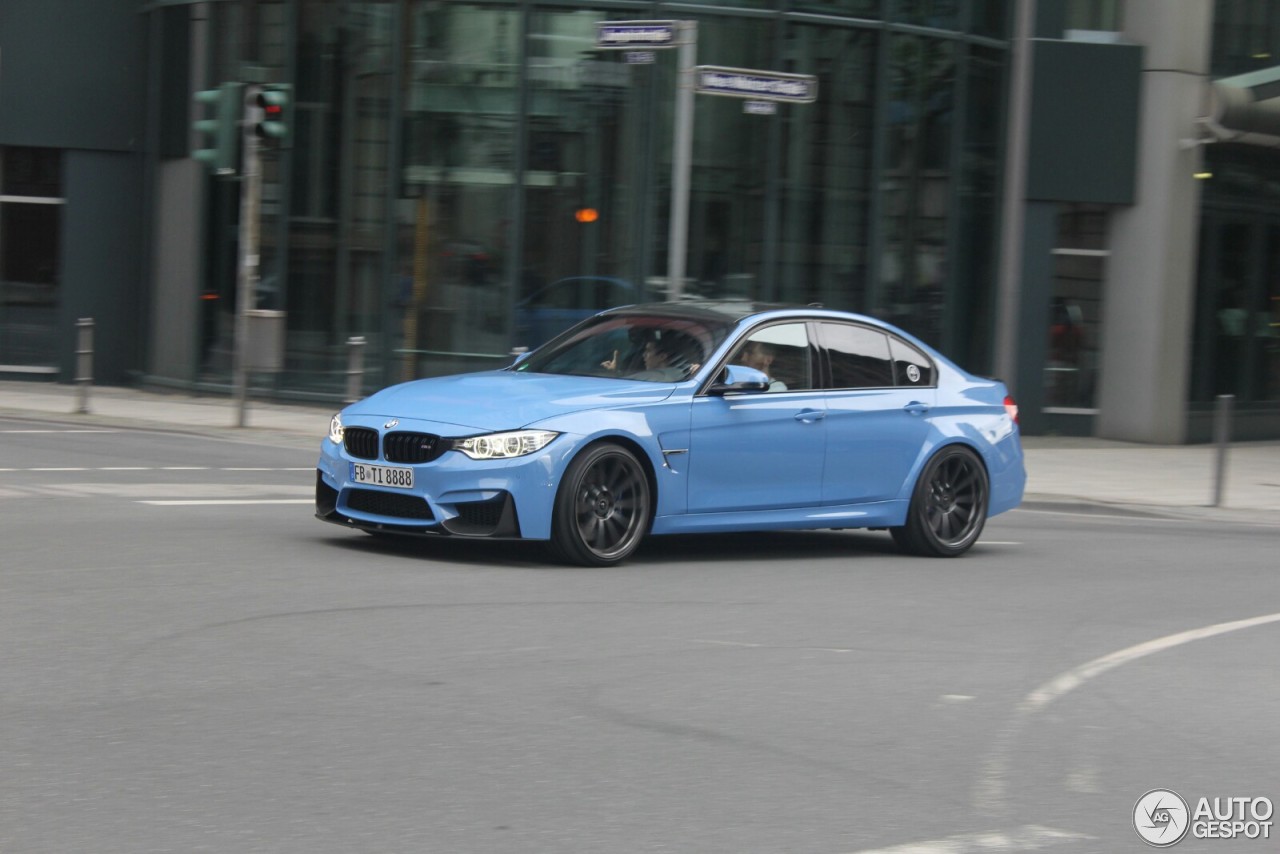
(1084, 475)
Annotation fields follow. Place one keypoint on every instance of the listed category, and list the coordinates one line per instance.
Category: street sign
(629, 34)
(755, 84)
(640, 39)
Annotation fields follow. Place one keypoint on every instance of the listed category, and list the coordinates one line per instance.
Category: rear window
(858, 355)
(910, 366)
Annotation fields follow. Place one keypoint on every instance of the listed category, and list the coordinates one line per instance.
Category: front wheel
(602, 507)
(948, 505)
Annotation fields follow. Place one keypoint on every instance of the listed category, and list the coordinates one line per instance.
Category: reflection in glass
(587, 145)
(827, 148)
(1074, 316)
(29, 250)
(851, 8)
(943, 14)
(32, 172)
(731, 162)
(451, 304)
(969, 317)
(521, 177)
(1075, 308)
(1267, 330)
(1238, 340)
(916, 185)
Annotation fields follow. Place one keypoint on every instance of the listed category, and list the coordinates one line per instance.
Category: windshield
(647, 347)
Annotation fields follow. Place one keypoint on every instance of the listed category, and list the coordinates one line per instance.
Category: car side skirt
(879, 514)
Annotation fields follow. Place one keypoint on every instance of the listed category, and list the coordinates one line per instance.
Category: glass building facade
(464, 179)
(1237, 326)
(468, 178)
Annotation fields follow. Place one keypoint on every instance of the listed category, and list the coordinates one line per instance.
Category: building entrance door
(30, 237)
(1238, 327)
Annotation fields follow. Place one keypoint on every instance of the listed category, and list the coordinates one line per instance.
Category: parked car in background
(651, 419)
(551, 309)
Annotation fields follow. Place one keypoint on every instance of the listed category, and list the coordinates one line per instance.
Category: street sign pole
(683, 35)
(681, 157)
(247, 278)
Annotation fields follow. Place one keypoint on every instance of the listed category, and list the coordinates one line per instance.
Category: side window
(910, 366)
(859, 356)
(782, 352)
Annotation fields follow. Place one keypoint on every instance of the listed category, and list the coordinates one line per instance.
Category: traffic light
(222, 130)
(273, 127)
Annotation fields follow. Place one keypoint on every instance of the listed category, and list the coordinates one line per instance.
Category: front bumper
(452, 495)
(494, 517)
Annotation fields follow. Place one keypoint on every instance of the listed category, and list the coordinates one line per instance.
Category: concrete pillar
(1151, 275)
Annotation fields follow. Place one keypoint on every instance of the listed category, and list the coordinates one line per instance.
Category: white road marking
(58, 431)
(1085, 514)
(989, 792)
(54, 468)
(197, 502)
(768, 645)
(1029, 837)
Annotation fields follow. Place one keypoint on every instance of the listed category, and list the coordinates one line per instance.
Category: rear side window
(859, 356)
(910, 366)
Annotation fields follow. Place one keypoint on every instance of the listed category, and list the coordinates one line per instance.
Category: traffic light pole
(247, 275)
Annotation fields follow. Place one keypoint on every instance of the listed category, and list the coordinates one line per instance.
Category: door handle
(808, 416)
(915, 407)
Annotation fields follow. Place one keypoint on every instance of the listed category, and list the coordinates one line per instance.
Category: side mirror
(520, 353)
(739, 378)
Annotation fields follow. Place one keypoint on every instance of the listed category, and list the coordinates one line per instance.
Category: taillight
(1011, 407)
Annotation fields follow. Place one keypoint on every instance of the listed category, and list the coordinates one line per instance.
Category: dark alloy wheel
(948, 506)
(602, 507)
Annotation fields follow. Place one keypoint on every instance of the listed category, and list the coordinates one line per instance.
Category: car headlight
(504, 446)
(335, 428)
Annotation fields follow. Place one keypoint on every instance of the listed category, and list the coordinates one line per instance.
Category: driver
(668, 358)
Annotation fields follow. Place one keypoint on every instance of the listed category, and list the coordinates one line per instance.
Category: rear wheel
(602, 507)
(948, 505)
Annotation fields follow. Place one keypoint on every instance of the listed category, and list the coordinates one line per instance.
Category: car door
(877, 424)
(762, 450)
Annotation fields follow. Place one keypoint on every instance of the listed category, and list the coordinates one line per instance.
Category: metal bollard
(1222, 438)
(84, 363)
(355, 368)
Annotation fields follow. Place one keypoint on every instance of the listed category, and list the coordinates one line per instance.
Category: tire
(602, 508)
(948, 505)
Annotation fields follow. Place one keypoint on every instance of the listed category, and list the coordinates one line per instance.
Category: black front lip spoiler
(507, 526)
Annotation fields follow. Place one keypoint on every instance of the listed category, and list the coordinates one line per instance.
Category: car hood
(504, 400)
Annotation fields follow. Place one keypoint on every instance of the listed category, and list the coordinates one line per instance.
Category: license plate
(401, 478)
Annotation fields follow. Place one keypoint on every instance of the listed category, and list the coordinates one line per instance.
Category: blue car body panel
(821, 458)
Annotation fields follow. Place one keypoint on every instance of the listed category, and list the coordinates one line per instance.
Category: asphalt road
(191, 662)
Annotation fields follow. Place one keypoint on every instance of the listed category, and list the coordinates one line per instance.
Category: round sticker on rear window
(913, 373)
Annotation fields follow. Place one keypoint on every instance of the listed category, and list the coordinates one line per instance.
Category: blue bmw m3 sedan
(685, 417)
